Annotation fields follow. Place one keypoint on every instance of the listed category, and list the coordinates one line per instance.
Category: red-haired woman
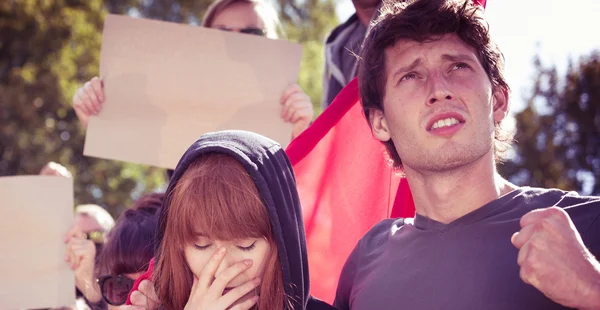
(230, 233)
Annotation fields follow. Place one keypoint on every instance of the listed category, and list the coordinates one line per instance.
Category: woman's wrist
(89, 287)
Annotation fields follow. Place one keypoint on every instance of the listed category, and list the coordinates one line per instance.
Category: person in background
(342, 47)
(252, 17)
(55, 169)
(94, 221)
(106, 280)
(91, 221)
(91, 224)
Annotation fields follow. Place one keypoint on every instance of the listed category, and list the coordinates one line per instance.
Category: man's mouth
(446, 122)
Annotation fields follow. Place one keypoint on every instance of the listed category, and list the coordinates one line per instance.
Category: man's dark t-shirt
(467, 264)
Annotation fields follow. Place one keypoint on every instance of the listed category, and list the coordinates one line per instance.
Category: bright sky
(562, 28)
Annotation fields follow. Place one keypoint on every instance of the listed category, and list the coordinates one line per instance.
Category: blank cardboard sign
(35, 214)
(165, 84)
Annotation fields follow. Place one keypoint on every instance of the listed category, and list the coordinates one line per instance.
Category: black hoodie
(268, 165)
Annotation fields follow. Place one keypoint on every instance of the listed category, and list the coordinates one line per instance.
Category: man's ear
(500, 104)
(379, 125)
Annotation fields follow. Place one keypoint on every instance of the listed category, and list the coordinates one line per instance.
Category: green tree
(48, 49)
(311, 33)
(558, 133)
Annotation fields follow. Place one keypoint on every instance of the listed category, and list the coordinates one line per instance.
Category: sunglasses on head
(115, 289)
(95, 236)
(249, 30)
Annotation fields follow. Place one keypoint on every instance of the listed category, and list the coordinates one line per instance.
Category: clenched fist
(554, 259)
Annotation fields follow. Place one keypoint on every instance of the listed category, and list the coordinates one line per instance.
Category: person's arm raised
(81, 255)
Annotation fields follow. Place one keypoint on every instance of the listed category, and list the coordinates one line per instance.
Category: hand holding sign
(296, 109)
(88, 100)
(81, 258)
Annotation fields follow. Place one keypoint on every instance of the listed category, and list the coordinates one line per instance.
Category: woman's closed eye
(247, 248)
(242, 247)
(202, 247)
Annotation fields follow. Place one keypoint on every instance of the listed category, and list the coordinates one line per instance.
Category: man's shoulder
(341, 27)
(380, 232)
(557, 197)
(583, 210)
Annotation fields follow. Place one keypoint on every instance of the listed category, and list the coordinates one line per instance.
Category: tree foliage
(558, 133)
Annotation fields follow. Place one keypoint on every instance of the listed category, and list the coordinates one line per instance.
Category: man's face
(439, 105)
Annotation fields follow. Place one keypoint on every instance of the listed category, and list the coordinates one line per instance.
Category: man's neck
(449, 195)
(365, 15)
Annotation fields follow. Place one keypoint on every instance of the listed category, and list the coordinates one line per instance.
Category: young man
(432, 87)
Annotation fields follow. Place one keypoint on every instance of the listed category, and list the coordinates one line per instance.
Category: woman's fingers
(210, 269)
(221, 281)
(235, 294)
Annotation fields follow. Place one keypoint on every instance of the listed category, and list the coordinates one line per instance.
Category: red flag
(346, 185)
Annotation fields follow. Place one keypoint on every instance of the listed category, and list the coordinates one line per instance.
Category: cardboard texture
(35, 214)
(166, 84)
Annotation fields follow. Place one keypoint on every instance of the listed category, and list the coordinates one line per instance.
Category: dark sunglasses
(115, 289)
(250, 30)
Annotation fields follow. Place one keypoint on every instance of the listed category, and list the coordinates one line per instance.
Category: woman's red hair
(218, 197)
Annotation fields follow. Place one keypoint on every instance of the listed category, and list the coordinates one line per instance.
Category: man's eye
(409, 76)
(460, 65)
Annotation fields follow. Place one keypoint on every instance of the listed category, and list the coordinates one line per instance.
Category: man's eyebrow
(408, 68)
(458, 57)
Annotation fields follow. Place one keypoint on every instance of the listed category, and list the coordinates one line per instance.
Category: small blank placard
(35, 214)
